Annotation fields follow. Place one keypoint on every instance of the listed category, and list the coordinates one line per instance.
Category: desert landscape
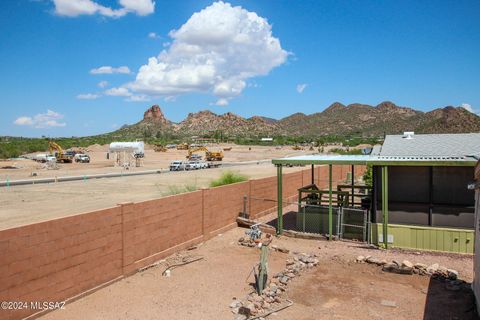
(243, 160)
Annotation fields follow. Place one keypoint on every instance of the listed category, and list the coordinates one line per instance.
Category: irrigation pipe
(290, 303)
(180, 264)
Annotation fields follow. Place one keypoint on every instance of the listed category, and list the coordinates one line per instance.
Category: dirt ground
(27, 204)
(153, 160)
(338, 288)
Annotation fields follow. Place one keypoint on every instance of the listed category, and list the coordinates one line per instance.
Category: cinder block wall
(65, 258)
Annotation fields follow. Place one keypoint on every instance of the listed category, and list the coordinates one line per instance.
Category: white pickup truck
(45, 158)
(195, 165)
(81, 157)
(177, 165)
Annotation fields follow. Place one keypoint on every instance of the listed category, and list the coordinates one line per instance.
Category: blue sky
(421, 54)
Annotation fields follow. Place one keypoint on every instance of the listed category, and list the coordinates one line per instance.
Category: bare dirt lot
(338, 288)
(153, 160)
(33, 203)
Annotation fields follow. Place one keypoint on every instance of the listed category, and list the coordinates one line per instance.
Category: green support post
(8, 182)
(385, 205)
(313, 173)
(330, 209)
(279, 200)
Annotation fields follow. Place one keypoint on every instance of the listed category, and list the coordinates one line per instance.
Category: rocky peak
(155, 114)
(201, 114)
(231, 116)
(336, 106)
(387, 105)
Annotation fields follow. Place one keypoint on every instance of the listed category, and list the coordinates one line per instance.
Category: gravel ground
(339, 288)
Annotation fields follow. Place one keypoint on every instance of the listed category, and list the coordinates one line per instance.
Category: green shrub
(173, 190)
(368, 176)
(228, 177)
(343, 152)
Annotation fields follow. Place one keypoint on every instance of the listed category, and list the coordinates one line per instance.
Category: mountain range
(337, 119)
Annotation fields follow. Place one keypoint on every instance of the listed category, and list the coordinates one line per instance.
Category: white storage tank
(137, 147)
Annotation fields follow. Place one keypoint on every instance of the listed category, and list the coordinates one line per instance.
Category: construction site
(146, 235)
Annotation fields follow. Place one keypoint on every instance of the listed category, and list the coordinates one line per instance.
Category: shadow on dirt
(449, 300)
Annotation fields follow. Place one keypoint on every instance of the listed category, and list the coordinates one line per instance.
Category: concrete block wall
(57, 259)
(63, 258)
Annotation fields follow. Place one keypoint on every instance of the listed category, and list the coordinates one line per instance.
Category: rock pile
(273, 296)
(247, 242)
(407, 267)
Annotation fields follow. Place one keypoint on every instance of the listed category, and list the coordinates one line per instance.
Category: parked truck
(196, 165)
(62, 156)
(82, 158)
(177, 165)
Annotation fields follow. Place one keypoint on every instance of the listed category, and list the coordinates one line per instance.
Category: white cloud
(153, 35)
(24, 121)
(139, 7)
(138, 98)
(221, 102)
(42, 120)
(215, 51)
(118, 92)
(301, 87)
(110, 70)
(469, 108)
(102, 84)
(88, 96)
(74, 8)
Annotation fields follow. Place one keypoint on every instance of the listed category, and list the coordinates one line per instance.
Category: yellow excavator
(159, 148)
(209, 155)
(297, 147)
(183, 146)
(61, 156)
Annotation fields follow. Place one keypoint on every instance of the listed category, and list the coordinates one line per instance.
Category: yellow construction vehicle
(297, 147)
(183, 146)
(61, 156)
(209, 155)
(159, 148)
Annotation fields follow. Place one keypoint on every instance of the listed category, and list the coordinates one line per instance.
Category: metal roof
(373, 160)
(460, 146)
(421, 150)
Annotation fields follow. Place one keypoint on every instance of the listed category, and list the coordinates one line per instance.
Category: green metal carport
(384, 162)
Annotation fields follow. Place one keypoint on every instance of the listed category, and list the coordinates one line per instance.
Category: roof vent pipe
(408, 135)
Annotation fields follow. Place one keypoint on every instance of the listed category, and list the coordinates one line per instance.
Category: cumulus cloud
(110, 70)
(153, 35)
(221, 102)
(217, 50)
(139, 7)
(118, 92)
(102, 84)
(469, 108)
(138, 98)
(24, 121)
(42, 120)
(74, 8)
(124, 92)
(301, 87)
(88, 96)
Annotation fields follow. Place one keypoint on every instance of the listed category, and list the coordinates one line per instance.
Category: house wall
(425, 238)
(64, 258)
(411, 198)
(476, 262)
